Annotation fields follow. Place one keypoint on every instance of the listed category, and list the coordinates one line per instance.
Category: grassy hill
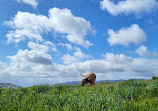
(6, 85)
(131, 95)
(100, 81)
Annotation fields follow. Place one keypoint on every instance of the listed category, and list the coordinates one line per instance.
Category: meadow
(131, 95)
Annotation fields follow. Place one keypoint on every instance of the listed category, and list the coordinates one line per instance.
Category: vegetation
(131, 95)
(154, 78)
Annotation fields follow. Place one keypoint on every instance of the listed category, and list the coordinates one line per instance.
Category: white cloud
(38, 47)
(65, 22)
(119, 58)
(68, 46)
(22, 64)
(79, 40)
(32, 56)
(112, 67)
(27, 25)
(2, 69)
(43, 47)
(67, 59)
(52, 46)
(76, 27)
(79, 54)
(120, 64)
(129, 6)
(144, 52)
(33, 3)
(126, 36)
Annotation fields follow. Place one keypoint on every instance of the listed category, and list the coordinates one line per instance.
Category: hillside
(100, 81)
(136, 95)
(6, 85)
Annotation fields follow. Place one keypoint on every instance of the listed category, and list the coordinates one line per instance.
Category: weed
(134, 95)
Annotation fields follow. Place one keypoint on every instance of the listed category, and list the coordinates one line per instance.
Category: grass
(131, 95)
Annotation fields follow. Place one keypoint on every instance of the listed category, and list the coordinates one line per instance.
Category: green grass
(131, 95)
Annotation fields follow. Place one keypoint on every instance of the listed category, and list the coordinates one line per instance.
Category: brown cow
(89, 78)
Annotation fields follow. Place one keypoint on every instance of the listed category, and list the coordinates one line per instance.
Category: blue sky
(53, 41)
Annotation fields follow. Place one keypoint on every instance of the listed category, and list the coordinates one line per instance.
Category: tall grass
(131, 95)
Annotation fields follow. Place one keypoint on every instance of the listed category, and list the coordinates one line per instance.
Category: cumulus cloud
(32, 56)
(39, 47)
(144, 52)
(79, 54)
(44, 47)
(33, 3)
(51, 45)
(79, 40)
(129, 6)
(22, 64)
(68, 46)
(75, 27)
(27, 25)
(2, 69)
(120, 64)
(67, 59)
(65, 22)
(119, 58)
(113, 66)
(126, 36)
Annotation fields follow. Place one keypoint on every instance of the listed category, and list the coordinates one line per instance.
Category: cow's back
(91, 76)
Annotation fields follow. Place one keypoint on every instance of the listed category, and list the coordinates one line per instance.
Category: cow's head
(84, 81)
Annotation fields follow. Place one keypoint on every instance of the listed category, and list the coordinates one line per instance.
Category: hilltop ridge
(6, 85)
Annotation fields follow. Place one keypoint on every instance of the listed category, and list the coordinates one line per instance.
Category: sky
(53, 41)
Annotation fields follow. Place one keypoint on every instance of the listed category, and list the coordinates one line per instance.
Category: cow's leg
(92, 84)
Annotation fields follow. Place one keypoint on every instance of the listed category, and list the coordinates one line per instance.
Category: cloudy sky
(53, 41)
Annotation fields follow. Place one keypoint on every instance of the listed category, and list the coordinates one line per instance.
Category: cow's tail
(82, 75)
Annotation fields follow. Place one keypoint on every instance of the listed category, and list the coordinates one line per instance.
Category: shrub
(154, 78)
